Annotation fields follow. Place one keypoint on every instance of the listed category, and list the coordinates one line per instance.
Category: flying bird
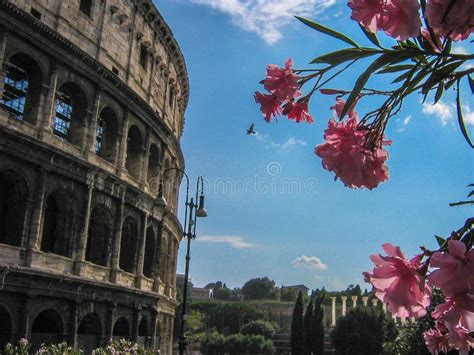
(250, 130)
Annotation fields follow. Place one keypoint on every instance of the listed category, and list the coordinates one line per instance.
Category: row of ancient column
(365, 301)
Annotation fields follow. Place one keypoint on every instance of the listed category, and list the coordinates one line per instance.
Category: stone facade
(92, 101)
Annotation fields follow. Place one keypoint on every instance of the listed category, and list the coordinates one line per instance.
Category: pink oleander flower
(270, 105)
(457, 310)
(455, 273)
(402, 19)
(397, 283)
(436, 341)
(344, 153)
(282, 82)
(369, 13)
(298, 111)
(460, 339)
(339, 106)
(458, 23)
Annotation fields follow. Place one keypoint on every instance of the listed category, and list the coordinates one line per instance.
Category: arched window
(99, 236)
(58, 224)
(12, 207)
(89, 333)
(128, 245)
(121, 328)
(71, 105)
(134, 152)
(22, 87)
(47, 328)
(151, 249)
(106, 134)
(153, 168)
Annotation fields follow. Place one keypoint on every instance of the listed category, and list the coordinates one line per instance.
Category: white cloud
(310, 262)
(468, 115)
(233, 241)
(267, 18)
(289, 144)
(441, 110)
(404, 123)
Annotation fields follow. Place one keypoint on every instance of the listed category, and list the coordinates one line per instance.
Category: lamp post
(193, 210)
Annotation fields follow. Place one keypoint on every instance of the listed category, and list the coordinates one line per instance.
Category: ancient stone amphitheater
(92, 100)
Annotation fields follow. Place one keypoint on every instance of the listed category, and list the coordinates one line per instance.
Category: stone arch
(47, 328)
(121, 328)
(89, 333)
(99, 236)
(13, 205)
(71, 108)
(59, 219)
(167, 179)
(153, 168)
(143, 332)
(106, 134)
(163, 257)
(134, 151)
(6, 327)
(128, 244)
(22, 87)
(151, 250)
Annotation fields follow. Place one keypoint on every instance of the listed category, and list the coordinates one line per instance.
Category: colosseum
(92, 101)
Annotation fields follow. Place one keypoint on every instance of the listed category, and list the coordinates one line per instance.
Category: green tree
(362, 331)
(260, 327)
(288, 295)
(261, 288)
(317, 326)
(308, 328)
(223, 294)
(297, 327)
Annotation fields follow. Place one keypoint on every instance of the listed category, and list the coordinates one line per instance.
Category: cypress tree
(318, 326)
(297, 328)
(308, 329)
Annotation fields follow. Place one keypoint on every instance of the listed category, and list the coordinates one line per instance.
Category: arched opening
(47, 328)
(153, 168)
(13, 196)
(128, 245)
(106, 134)
(5, 327)
(89, 333)
(71, 106)
(58, 224)
(134, 152)
(22, 87)
(99, 236)
(163, 258)
(121, 328)
(151, 248)
(167, 179)
(143, 332)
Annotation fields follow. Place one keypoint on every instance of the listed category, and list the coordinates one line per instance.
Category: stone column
(122, 151)
(365, 299)
(73, 325)
(82, 245)
(141, 253)
(109, 324)
(145, 160)
(354, 301)
(91, 126)
(115, 264)
(136, 320)
(47, 105)
(156, 267)
(375, 302)
(26, 222)
(36, 216)
(333, 311)
(153, 320)
(24, 321)
(344, 299)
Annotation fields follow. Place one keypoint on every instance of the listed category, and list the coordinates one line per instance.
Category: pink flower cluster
(282, 85)
(345, 152)
(400, 19)
(401, 284)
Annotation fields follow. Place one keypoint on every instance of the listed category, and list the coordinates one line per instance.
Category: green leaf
(471, 83)
(371, 36)
(461, 118)
(439, 92)
(384, 59)
(441, 241)
(328, 31)
(343, 55)
(395, 68)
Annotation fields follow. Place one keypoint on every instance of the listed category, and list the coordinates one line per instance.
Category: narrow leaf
(395, 68)
(439, 92)
(471, 194)
(343, 55)
(441, 241)
(328, 31)
(471, 82)
(461, 118)
(371, 36)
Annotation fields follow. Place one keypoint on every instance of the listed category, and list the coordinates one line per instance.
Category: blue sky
(273, 210)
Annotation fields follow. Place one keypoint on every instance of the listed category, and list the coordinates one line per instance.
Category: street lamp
(193, 210)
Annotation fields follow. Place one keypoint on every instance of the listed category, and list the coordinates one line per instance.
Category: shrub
(260, 327)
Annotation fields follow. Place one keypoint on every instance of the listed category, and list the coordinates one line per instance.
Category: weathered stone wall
(85, 253)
